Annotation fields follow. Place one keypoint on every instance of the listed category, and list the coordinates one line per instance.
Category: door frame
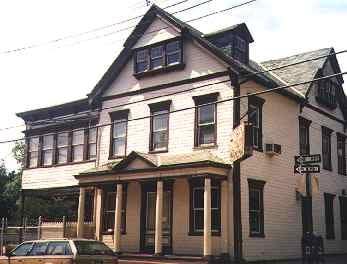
(151, 186)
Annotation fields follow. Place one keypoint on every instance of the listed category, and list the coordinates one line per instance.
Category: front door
(148, 219)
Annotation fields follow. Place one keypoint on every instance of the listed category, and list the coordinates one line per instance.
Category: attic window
(159, 57)
(240, 49)
(326, 93)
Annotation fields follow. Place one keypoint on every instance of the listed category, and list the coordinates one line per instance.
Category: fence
(43, 229)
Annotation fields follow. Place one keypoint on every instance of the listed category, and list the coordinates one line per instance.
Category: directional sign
(306, 169)
(308, 159)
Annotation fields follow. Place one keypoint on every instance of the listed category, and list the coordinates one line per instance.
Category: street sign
(307, 159)
(306, 169)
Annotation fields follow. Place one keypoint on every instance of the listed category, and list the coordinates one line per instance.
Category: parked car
(60, 251)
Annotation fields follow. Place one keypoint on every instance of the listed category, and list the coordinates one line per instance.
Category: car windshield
(92, 248)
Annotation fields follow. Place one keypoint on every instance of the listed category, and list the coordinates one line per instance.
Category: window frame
(165, 66)
(201, 101)
(78, 145)
(122, 116)
(43, 150)
(257, 103)
(28, 153)
(329, 216)
(154, 109)
(88, 156)
(326, 153)
(257, 185)
(341, 159)
(198, 184)
(61, 147)
(113, 190)
(304, 124)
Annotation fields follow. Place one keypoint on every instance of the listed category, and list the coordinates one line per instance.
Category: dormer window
(326, 93)
(240, 49)
(163, 56)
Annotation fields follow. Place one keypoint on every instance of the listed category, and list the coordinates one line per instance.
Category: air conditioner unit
(273, 149)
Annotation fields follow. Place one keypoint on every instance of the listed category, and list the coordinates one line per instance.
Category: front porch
(142, 207)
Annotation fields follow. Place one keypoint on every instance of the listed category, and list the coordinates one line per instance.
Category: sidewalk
(328, 260)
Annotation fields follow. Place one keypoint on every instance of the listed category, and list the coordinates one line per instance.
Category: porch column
(224, 219)
(207, 219)
(98, 213)
(118, 218)
(81, 208)
(159, 219)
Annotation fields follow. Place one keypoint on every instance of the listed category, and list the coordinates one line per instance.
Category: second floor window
(33, 152)
(63, 147)
(341, 154)
(159, 131)
(119, 133)
(255, 116)
(47, 150)
(304, 136)
(92, 139)
(326, 148)
(77, 145)
(206, 120)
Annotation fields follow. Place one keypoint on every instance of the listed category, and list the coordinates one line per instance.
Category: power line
(201, 86)
(57, 40)
(195, 107)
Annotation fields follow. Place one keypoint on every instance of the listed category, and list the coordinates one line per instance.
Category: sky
(62, 71)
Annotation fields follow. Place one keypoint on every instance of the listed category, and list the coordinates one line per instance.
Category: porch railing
(42, 228)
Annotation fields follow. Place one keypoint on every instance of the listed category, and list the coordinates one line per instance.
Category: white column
(81, 208)
(118, 218)
(159, 219)
(207, 219)
(98, 213)
(224, 218)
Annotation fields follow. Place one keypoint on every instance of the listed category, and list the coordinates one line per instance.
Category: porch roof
(157, 162)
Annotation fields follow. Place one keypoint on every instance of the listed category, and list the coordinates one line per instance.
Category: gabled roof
(156, 161)
(301, 72)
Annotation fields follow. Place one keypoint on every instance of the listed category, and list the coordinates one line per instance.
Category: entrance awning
(140, 166)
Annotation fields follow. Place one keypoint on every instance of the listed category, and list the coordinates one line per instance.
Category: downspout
(238, 256)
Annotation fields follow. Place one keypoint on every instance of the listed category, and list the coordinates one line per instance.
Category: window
(329, 215)
(326, 148)
(22, 250)
(158, 56)
(255, 105)
(326, 93)
(33, 152)
(197, 207)
(205, 120)
(77, 146)
(59, 248)
(92, 139)
(341, 154)
(304, 136)
(159, 132)
(85, 247)
(62, 147)
(343, 214)
(39, 249)
(47, 150)
(109, 209)
(173, 53)
(256, 208)
(240, 49)
(119, 133)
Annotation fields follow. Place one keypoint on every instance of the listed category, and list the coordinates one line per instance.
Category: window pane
(92, 135)
(62, 155)
(62, 139)
(215, 220)
(206, 114)
(254, 222)
(198, 220)
(47, 157)
(39, 249)
(160, 122)
(157, 63)
(33, 159)
(254, 199)
(59, 248)
(92, 151)
(78, 137)
(253, 116)
(206, 134)
(119, 147)
(160, 139)
(157, 52)
(22, 250)
(173, 58)
(141, 55)
(198, 199)
(215, 198)
(141, 66)
(119, 129)
(34, 144)
(173, 46)
(77, 153)
(85, 247)
(47, 142)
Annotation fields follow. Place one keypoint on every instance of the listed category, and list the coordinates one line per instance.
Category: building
(158, 166)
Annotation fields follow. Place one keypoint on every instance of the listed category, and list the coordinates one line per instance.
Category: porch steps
(151, 259)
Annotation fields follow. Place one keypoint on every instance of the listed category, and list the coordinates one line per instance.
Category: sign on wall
(241, 146)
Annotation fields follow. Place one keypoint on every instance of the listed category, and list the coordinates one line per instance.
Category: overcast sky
(68, 70)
